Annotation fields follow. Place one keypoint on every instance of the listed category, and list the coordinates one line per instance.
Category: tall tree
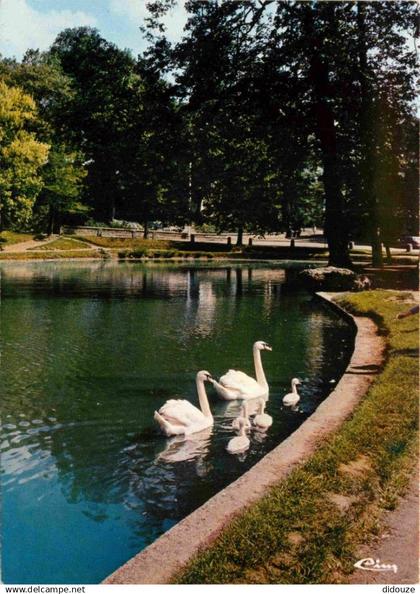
(41, 76)
(386, 70)
(154, 173)
(124, 117)
(60, 196)
(102, 78)
(22, 157)
(324, 65)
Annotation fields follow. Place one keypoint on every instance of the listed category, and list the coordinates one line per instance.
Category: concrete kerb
(162, 560)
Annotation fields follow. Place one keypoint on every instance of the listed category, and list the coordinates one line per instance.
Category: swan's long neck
(294, 389)
(259, 371)
(202, 398)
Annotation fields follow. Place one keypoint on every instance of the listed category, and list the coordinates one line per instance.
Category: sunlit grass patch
(124, 242)
(12, 237)
(62, 243)
(52, 254)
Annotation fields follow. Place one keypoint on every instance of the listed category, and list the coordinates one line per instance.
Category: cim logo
(370, 564)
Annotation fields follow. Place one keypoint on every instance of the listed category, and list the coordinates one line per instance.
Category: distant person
(411, 312)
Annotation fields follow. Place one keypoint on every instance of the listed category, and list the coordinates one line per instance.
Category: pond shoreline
(180, 544)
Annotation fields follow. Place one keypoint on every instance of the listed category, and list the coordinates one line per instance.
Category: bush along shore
(309, 527)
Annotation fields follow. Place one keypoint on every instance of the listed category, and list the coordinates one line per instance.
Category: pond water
(89, 351)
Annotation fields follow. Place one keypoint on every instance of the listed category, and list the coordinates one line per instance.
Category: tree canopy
(265, 116)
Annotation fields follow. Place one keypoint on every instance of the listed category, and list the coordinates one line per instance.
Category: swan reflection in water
(186, 448)
(230, 410)
(259, 435)
(196, 446)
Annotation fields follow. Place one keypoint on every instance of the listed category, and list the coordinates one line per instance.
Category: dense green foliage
(265, 116)
(21, 157)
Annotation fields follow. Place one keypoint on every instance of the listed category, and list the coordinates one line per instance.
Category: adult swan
(180, 417)
(237, 384)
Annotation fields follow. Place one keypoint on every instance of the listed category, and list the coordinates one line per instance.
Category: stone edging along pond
(164, 558)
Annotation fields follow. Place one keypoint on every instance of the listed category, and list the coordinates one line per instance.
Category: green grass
(124, 242)
(63, 243)
(136, 245)
(11, 237)
(53, 254)
(297, 534)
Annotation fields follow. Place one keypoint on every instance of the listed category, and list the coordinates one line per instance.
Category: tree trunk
(367, 141)
(239, 240)
(145, 229)
(286, 207)
(388, 254)
(50, 226)
(335, 228)
(113, 209)
(377, 258)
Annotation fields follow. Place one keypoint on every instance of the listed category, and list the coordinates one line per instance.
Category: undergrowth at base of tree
(308, 528)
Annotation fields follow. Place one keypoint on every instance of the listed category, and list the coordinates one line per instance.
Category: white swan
(238, 385)
(292, 397)
(262, 420)
(180, 417)
(241, 442)
(244, 415)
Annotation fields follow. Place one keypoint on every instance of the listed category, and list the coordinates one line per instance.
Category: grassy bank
(13, 237)
(63, 244)
(308, 528)
(137, 248)
(44, 254)
(151, 248)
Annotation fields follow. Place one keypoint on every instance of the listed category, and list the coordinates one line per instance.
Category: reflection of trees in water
(91, 465)
(140, 476)
(133, 280)
(327, 353)
(200, 306)
(164, 485)
(239, 283)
